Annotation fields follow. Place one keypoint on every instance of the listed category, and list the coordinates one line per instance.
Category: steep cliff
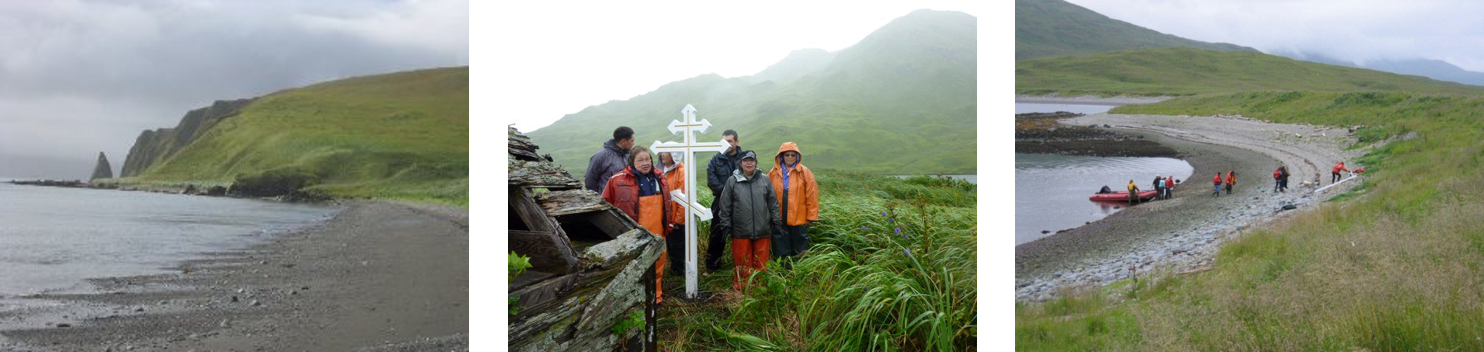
(155, 146)
(103, 169)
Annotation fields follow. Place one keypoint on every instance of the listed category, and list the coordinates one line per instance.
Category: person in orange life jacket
(1216, 181)
(1231, 180)
(748, 211)
(798, 200)
(674, 172)
(1334, 174)
(640, 192)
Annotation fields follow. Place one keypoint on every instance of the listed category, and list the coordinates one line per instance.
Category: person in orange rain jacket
(798, 201)
(1334, 174)
(1231, 180)
(640, 192)
(674, 172)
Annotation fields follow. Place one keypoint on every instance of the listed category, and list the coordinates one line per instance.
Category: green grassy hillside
(901, 101)
(1393, 265)
(402, 135)
(1186, 71)
(1059, 28)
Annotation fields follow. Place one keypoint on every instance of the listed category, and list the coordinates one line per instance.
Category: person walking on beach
(1283, 179)
(748, 211)
(640, 192)
(1159, 189)
(609, 160)
(1216, 181)
(798, 201)
(1231, 180)
(1133, 192)
(1278, 179)
(1334, 174)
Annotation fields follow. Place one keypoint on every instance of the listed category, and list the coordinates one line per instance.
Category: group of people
(765, 215)
(1164, 187)
(1280, 176)
(1230, 181)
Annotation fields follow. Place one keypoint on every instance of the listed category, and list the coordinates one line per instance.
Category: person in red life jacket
(1216, 181)
(1231, 180)
(640, 192)
(1281, 175)
(1334, 174)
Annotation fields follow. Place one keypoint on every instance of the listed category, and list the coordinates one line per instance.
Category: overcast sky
(564, 58)
(80, 77)
(1357, 30)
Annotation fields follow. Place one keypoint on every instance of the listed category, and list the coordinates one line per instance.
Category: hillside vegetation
(402, 135)
(1393, 265)
(1186, 71)
(901, 101)
(1059, 28)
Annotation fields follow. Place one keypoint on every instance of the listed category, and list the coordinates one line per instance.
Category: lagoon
(1051, 191)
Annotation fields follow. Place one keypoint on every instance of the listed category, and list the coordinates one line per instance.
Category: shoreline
(1183, 234)
(380, 275)
(1088, 99)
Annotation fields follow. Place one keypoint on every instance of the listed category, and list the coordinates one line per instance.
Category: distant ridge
(1058, 28)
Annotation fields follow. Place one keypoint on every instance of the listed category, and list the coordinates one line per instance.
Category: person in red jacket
(641, 193)
(1216, 181)
(1334, 174)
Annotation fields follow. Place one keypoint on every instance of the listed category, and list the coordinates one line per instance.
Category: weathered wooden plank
(624, 248)
(540, 174)
(573, 201)
(529, 213)
(534, 296)
(623, 293)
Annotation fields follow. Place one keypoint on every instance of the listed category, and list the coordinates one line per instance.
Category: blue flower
(863, 228)
(907, 252)
(891, 220)
(899, 230)
(883, 214)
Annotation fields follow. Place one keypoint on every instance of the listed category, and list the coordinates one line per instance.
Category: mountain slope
(900, 101)
(1059, 28)
(401, 135)
(1186, 71)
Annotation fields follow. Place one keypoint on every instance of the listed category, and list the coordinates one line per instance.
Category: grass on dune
(1394, 267)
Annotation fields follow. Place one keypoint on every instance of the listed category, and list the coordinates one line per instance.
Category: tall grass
(1395, 268)
(862, 286)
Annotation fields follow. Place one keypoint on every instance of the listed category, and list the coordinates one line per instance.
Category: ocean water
(1051, 190)
(1021, 108)
(52, 239)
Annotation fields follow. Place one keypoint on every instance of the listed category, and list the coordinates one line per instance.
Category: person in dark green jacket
(747, 209)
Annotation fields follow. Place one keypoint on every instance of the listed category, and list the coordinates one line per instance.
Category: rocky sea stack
(103, 169)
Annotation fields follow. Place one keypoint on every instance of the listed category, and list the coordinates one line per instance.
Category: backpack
(1277, 174)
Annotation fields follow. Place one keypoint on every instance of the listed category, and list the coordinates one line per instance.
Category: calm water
(51, 239)
(1051, 190)
(1021, 108)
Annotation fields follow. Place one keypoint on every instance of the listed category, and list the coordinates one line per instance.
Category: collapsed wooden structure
(592, 266)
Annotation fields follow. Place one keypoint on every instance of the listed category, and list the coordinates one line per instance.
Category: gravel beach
(380, 276)
(1184, 233)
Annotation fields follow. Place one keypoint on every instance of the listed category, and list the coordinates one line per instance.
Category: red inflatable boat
(1121, 196)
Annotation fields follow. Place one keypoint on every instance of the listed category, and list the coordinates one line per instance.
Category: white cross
(689, 148)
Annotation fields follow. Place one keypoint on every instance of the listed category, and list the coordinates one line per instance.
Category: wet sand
(1184, 233)
(380, 276)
